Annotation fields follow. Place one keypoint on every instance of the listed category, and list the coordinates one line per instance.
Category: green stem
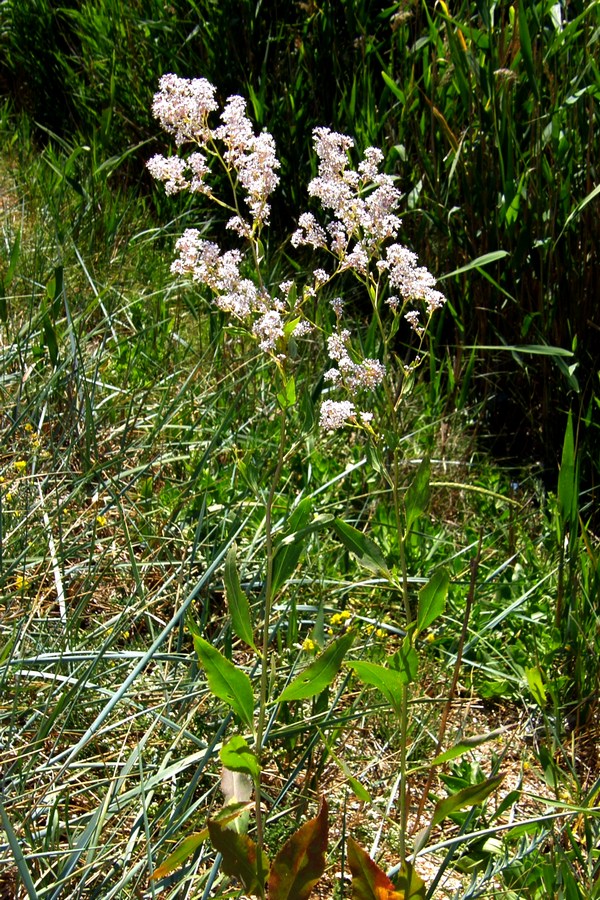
(264, 675)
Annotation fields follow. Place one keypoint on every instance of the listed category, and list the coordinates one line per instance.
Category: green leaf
(432, 599)
(239, 608)
(465, 746)
(469, 796)
(289, 550)
(369, 882)
(388, 681)
(226, 681)
(366, 551)
(526, 50)
(287, 397)
(417, 495)
(13, 261)
(568, 490)
(484, 260)
(237, 756)
(240, 857)
(54, 290)
(536, 685)
(320, 673)
(406, 661)
(175, 859)
(301, 861)
(17, 854)
(394, 88)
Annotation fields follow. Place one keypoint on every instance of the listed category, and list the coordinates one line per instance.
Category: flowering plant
(358, 235)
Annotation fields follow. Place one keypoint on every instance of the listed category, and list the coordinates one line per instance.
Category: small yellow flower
(29, 427)
(338, 618)
(369, 629)
(308, 645)
(101, 521)
(21, 583)
(20, 465)
(430, 638)
(9, 497)
(380, 633)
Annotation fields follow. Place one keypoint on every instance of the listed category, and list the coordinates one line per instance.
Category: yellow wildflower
(308, 645)
(101, 521)
(20, 465)
(21, 583)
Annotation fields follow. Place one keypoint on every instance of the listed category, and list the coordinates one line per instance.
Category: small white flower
(335, 414)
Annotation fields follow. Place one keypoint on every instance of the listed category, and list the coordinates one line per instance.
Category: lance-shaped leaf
(405, 660)
(287, 397)
(432, 599)
(190, 844)
(320, 673)
(237, 756)
(301, 861)
(227, 682)
(417, 495)
(240, 857)
(239, 608)
(469, 796)
(388, 681)
(465, 745)
(369, 882)
(366, 551)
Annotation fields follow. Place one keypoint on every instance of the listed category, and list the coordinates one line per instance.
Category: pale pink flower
(335, 414)
(182, 107)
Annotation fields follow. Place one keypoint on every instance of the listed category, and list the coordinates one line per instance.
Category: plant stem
(260, 727)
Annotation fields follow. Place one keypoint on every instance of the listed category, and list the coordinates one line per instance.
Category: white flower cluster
(361, 234)
(363, 205)
(182, 106)
(414, 282)
(235, 294)
(353, 376)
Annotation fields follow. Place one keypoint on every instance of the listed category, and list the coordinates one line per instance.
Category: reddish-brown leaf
(301, 861)
(239, 854)
(369, 882)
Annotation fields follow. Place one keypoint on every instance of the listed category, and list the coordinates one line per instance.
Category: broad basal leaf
(240, 856)
(227, 682)
(320, 673)
(369, 882)
(177, 858)
(191, 843)
(301, 861)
